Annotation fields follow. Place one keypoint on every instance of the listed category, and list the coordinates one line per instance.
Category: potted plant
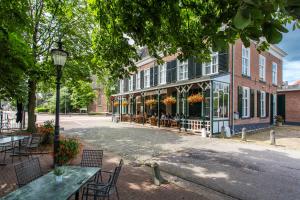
(58, 172)
(169, 100)
(68, 150)
(279, 120)
(124, 103)
(116, 103)
(150, 102)
(195, 98)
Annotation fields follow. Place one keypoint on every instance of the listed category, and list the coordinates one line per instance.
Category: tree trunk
(31, 106)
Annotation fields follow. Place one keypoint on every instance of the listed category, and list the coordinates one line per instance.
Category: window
(162, 74)
(121, 86)
(274, 73)
(263, 104)
(212, 66)
(182, 72)
(262, 68)
(147, 78)
(245, 61)
(138, 80)
(130, 83)
(220, 100)
(246, 102)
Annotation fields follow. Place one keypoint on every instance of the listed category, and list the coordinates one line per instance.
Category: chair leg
(117, 193)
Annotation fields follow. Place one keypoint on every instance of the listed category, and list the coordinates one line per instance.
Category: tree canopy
(190, 27)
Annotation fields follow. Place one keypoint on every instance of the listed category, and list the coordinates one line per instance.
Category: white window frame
(122, 86)
(245, 61)
(182, 70)
(263, 104)
(162, 74)
(262, 68)
(213, 65)
(246, 102)
(274, 73)
(138, 80)
(130, 83)
(146, 78)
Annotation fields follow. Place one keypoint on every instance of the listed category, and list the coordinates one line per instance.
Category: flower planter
(59, 179)
(279, 123)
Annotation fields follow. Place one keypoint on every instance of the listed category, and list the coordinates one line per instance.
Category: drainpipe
(158, 108)
(232, 88)
(211, 102)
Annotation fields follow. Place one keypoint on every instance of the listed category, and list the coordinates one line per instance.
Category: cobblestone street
(238, 169)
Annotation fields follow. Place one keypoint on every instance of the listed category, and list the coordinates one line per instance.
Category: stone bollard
(223, 131)
(157, 179)
(203, 132)
(244, 138)
(272, 137)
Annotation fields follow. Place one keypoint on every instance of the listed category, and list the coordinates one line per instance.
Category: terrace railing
(195, 125)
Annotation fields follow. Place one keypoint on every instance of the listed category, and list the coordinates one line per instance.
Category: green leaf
(242, 18)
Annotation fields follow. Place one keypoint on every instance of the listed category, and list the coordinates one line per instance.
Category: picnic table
(47, 188)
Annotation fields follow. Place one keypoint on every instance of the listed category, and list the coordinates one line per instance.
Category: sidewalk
(134, 183)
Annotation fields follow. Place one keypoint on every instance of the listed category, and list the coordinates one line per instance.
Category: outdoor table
(47, 188)
(11, 139)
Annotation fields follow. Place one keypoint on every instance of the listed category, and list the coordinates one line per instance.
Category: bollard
(244, 138)
(223, 131)
(272, 137)
(157, 179)
(203, 132)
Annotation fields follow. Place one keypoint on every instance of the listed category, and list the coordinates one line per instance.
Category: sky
(291, 63)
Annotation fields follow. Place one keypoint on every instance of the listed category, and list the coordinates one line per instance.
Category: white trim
(275, 78)
(248, 57)
(185, 74)
(164, 78)
(147, 81)
(277, 52)
(264, 67)
(246, 100)
(262, 100)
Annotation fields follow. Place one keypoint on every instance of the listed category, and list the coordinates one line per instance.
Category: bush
(279, 118)
(68, 150)
(42, 109)
(47, 131)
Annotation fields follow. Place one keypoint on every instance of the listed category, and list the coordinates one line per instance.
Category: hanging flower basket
(169, 100)
(195, 98)
(150, 102)
(124, 103)
(116, 103)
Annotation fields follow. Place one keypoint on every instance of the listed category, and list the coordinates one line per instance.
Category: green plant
(49, 124)
(58, 171)
(68, 150)
(42, 109)
(279, 118)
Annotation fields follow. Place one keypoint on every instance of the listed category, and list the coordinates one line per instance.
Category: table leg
(77, 195)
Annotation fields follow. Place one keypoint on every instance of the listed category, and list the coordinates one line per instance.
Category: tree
(14, 51)
(51, 21)
(82, 94)
(190, 27)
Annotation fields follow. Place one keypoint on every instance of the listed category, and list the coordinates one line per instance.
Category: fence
(8, 121)
(195, 125)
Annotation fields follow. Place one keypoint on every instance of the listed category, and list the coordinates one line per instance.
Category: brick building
(288, 103)
(99, 105)
(253, 88)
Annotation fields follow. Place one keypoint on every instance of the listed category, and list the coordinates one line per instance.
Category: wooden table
(46, 188)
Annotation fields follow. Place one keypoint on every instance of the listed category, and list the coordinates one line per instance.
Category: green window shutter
(267, 104)
(198, 70)
(142, 79)
(151, 76)
(251, 103)
(191, 68)
(240, 101)
(155, 75)
(134, 81)
(258, 103)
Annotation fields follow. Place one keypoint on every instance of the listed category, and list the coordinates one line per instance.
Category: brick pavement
(134, 183)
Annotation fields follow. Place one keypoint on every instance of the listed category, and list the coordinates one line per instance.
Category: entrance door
(272, 110)
(281, 105)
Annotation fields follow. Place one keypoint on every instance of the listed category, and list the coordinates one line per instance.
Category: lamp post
(59, 58)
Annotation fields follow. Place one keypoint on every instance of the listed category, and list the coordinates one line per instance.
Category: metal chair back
(28, 171)
(114, 178)
(35, 141)
(91, 158)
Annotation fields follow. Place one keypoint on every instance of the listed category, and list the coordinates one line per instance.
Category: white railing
(195, 125)
(8, 121)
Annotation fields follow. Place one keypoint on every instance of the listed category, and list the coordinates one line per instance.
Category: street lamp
(59, 58)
